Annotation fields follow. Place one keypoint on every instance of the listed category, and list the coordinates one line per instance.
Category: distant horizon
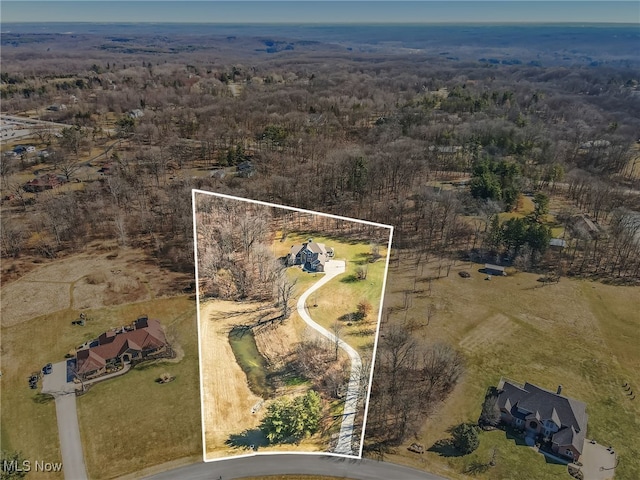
(317, 12)
(361, 24)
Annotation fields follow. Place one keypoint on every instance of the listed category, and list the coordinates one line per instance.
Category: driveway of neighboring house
(56, 384)
(598, 461)
(334, 268)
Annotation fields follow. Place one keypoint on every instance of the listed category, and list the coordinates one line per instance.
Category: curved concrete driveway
(282, 464)
(334, 268)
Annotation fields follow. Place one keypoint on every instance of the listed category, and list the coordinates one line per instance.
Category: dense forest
(372, 135)
(447, 147)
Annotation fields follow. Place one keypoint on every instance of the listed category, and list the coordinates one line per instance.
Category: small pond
(254, 365)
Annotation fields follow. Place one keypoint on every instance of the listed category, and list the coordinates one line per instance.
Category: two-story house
(311, 255)
(545, 415)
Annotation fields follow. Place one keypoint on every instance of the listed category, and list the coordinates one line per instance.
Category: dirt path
(345, 440)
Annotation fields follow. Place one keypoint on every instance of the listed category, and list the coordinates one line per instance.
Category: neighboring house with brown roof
(143, 339)
(48, 181)
(311, 255)
(549, 417)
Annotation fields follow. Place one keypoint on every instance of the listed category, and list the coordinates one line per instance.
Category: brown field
(86, 281)
(275, 343)
(581, 334)
(227, 399)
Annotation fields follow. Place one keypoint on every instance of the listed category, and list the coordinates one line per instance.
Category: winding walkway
(334, 268)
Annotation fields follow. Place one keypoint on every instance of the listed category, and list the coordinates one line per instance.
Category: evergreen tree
(290, 420)
(465, 438)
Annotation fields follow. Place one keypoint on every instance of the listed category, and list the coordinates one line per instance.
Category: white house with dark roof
(545, 415)
(311, 255)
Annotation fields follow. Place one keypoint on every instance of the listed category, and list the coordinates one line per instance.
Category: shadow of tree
(350, 279)
(351, 317)
(445, 448)
(247, 440)
(363, 332)
(362, 258)
(476, 467)
(42, 398)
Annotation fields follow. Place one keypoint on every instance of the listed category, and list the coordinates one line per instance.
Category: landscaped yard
(164, 419)
(29, 418)
(580, 334)
(340, 297)
(132, 422)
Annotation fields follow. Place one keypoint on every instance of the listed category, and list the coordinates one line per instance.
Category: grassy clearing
(164, 419)
(580, 334)
(28, 419)
(230, 428)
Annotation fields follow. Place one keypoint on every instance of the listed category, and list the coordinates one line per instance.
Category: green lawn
(340, 297)
(581, 334)
(511, 456)
(28, 418)
(162, 421)
(112, 413)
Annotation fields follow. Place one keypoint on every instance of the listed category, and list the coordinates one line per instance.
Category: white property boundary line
(375, 344)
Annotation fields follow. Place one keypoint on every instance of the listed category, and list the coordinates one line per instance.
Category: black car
(47, 369)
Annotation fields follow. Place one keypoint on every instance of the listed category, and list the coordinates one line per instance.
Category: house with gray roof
(311, 255)
(549, 417)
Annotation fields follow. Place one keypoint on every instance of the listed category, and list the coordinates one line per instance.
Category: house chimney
(559, 390)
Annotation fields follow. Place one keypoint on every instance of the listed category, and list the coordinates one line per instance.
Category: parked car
(47, 369)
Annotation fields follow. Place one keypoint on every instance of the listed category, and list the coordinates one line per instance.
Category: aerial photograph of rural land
(289, 305)
(196, 205)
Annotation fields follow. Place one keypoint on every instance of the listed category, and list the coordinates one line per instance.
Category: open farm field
(86, 281)
(579, 334)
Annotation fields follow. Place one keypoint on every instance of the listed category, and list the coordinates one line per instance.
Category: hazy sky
(321, 11)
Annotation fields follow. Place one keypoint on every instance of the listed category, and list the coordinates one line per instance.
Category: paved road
(334, 268)
(67, 415)
(283, 464)
(32, 121)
